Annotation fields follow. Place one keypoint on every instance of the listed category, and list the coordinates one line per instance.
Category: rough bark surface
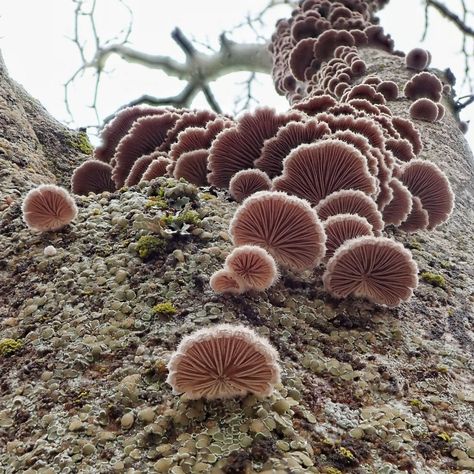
(34, 147)
(364, 389)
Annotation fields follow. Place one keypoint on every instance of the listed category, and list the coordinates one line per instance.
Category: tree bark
(34, 147)
(365, 388)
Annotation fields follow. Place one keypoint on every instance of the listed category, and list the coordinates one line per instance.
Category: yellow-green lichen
(186, 217)
(332, 470)
(149, 245)
(444, 436)
(81, 142)
(156, 201)
(346, 453)
(164, 309)
(207, 196)
(416, 403)
(414, 245)
(9, 346)
(434, 279)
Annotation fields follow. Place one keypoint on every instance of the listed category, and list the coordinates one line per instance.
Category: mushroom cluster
(346, 158)
(318, 184)
(337, 166)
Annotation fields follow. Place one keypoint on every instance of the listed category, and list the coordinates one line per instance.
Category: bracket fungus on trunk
(342, 227)
(236, 148)
(426, 181)
(350, 201)
(340, 148)
(288, 137)
(253, 267)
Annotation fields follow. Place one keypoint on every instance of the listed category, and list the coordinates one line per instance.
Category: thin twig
(451, 16)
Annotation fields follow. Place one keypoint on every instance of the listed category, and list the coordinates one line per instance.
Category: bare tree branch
(198, 68)
(467, 35)
(461, 105)
(231, 57)
(244, 102)
(451, 16)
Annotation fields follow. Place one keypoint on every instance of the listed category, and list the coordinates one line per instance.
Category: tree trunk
(34, 147)
(364, 388)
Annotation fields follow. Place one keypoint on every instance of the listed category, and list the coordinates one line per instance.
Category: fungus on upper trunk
(349, 201)
(156, 168)
(145, 136)
(342, 227)
(424, 109)
(198, 138)
(193, 118)
(192, 166)
(316, 170)
(418, 59)
(225, 281)
(236, 148)
(426, 181)
(417, 219)
(424, 84)
(118, 127)
(400, 206)
(277, 148)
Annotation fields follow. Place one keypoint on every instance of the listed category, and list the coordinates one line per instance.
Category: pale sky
(34, 42)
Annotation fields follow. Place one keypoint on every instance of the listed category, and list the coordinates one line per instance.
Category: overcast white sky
(34, 42)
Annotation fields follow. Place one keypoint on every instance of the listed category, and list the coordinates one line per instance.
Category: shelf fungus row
(318, 184)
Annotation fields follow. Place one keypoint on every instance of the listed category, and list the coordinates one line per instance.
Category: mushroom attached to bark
(48, 208)
(316, 170)
(145, 136)
(224, 361)
(118, 127)
(92, 176)
(301, 57)
(376, 268)
(197, 138)
(225, 281)
(286, 226)
(247, 182)
(426, 181)
(418, 59)
(417, 219)
(349, 201)
(407, 130)
(277, 148)
(388, 89)
(342, 227)
(424, 85)
(424, 109)
(398, 209)
(192, 166)
(156, 168)
(138, 170)
(236, 148)
(253, 267)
